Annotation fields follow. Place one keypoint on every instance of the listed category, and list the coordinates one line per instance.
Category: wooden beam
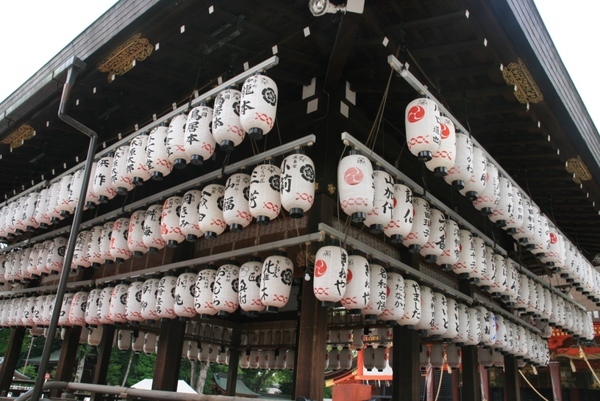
(430, 22)
(168, 357)
(311, 346)
(447, 48)
(482, 91)
(467, 71)
(407, 378)
(512, 389)
(104, 351)
(528, 125)
(341, 50)
(13, 351)
(68, 357)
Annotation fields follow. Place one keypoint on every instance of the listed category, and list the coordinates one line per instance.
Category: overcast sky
(33, 31)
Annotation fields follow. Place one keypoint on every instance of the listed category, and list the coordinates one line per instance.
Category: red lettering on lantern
(553, 238)
(445, 131)
(353, 176)
(348, 276)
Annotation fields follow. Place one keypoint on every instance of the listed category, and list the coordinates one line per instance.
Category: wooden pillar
(11, 358)
(455, 385)
(103, 359)
(310, 351)
(407, 378)
(485, 382)
(234, 359)
(512, 390)
(471, 385)
(67, 362)
(554, 370)
(168, 357)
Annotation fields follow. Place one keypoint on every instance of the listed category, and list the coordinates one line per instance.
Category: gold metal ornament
(123, 58)
(527, 90)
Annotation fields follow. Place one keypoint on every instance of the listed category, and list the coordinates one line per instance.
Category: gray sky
(35, 30)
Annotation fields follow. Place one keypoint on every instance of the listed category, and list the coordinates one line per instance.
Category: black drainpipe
(76, 66)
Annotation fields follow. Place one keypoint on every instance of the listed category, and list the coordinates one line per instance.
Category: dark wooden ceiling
(456, 47)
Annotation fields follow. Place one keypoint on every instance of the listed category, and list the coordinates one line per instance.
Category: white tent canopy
(182, 386)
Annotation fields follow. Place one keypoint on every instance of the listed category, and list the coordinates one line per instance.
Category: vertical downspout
(76, 66)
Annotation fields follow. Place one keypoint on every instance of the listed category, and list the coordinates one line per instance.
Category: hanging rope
(531, 385)
(437, 394)
(582, 355)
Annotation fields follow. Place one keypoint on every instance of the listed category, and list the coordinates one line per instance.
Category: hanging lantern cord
(424, 179)
(195, 85)
(225, 163)
(437, 394)
(582, 354)
(531, 385)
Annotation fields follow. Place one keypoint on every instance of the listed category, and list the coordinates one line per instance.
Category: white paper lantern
(476, 185)
(236, 206)
(330, 274)
(489, 198)
(345, 356)
(176, 142)
(105, 238)
(462, 171)
(31, 204)
(258, 105)
(377, 292)
(133, 310)
(466, 263)
(137, 170)
(480, 260)
(203, 295)
(118, 303)
(412, 304)
(500, 277)
(226, 126)
(355, 186)
(427, 309)
(152, 229)
(356, 296)
(137, 343)
(395, 300)
(149, 295)
(451, 252)
(439, 322)
(249, 287)
(486, 281)
(41, 215)
(104, 305)
(402, 215)
(381, 214)
(101, 184)
(369, 358)
(453, 320)
(420, 231)
(422, 124)
(93, 252)
(189, 217)
(80, 259)
(52, 210)
(485, 357)
(226, 287)
(334, 359)
(29, 309)
(124, 340)
(95, 336)
(135, 234)
(265, 198)
(436, 356)
(523, 295)
(92, 306)
(463, 324)
(157, 159)
(297, 186)
(62, 203)
(118, 178)
(199, 144)
(118, 240)
(444, 158)
(276, 281)
(56, 255)
(165, 301)
(512, 282)
(77, 311)
(505, 207)
(63, 317)
(169, 225)
(210, 211)
(150, 343)
(184, 295)
(515, 220)
(437, 236)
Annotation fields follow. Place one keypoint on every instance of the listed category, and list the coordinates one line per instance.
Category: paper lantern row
(268, 337)
(277, 359)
